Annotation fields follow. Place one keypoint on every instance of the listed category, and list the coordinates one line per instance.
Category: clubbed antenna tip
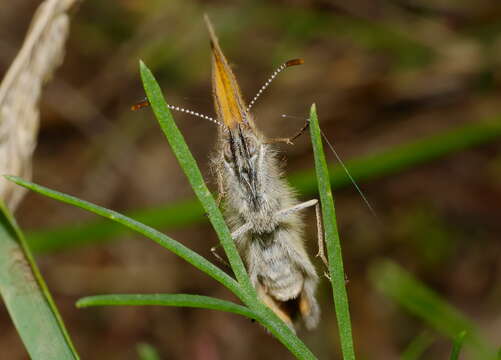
(139, 105)
(294, 62)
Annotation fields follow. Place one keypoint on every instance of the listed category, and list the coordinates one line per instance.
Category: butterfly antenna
(194, 113)
(281, 68)
(145, 103)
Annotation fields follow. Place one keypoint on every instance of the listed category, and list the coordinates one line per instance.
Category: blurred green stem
(457, 345)
(418, 346)
(395, 282)
(370, 167)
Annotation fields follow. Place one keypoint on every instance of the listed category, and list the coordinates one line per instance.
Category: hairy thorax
(251, 181)
(261, 212)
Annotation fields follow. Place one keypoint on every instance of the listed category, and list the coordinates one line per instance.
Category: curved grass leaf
(456, 346)
(163, 240)
(365, 168)
(192, 172)
(181, 300)
(263, 314)
(27, 297)
(333, 244)
(418, 346)
(394, 282)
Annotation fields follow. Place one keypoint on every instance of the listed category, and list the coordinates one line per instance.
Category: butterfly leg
(213, 250)
(298, 207)
(320, 233)
(234, 235)
(219, 199)
(220, 189)
(321, 240)
(290, 140)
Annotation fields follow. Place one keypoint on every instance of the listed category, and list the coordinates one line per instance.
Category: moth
(260, 207)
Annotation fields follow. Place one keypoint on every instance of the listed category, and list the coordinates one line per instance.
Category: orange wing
(230, 106)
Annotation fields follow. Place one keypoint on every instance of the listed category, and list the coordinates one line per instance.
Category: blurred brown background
(382, 73)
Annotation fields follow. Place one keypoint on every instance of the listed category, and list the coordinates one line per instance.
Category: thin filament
(271, 78)
(146, 103)
(359, 190)
(341, 162)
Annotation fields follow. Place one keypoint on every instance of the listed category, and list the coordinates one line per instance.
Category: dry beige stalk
(42, 52)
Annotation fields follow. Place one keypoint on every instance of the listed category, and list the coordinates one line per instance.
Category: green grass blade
(265, 316)
(457, 345)
(163, 240)
(27, 297)
(180, 300)
(192, 172)
(147, 352)
(333, 244)
(415, 297)
(365, 168)
(167, 217)
(418, 346)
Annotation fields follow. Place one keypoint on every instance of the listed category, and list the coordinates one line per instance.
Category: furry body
(272, 248)
(256, 195)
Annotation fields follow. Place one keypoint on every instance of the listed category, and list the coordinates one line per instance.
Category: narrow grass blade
(334, 255)
(457, 345)
(166, 217)
(180, 300)
(263, 314)
(418, 346)
(163, 240)
(276, 326)
(415, 297)
(27, 298)
(147, 352)
(365, 168)
(190, 168)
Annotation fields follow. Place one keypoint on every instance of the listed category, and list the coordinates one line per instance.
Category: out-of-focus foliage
(395, 283)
